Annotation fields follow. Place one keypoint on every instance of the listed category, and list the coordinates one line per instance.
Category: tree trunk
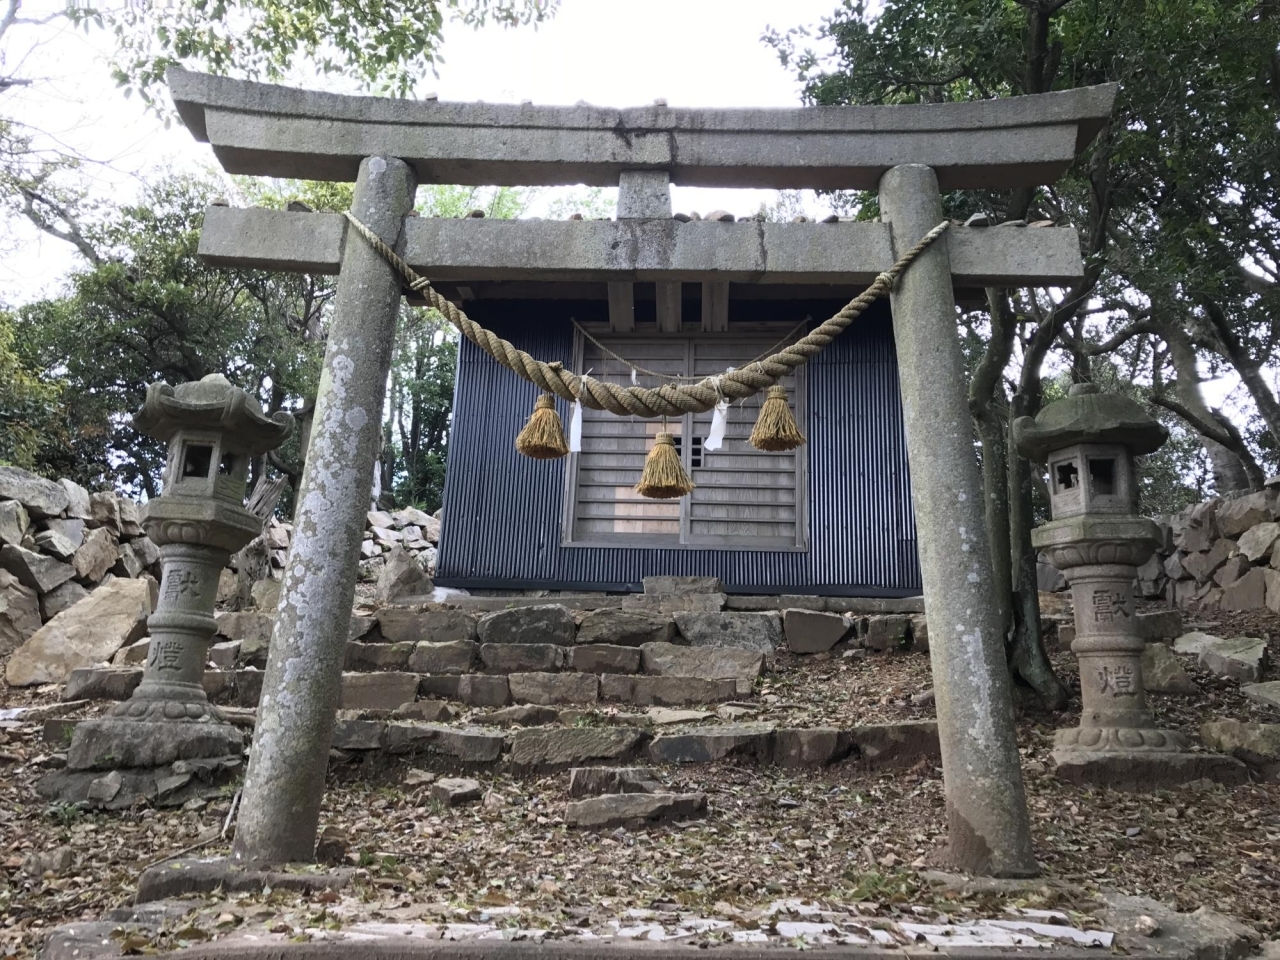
(1027, 655)
(1229, 474)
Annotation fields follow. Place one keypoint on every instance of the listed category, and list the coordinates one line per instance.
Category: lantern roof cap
(1088, 415)
(212, 403)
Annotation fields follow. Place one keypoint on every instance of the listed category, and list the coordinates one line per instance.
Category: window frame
(762, 337)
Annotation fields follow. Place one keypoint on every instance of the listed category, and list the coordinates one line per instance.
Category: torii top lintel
(268, 130)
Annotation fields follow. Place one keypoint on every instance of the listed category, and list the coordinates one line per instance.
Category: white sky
(607, 52)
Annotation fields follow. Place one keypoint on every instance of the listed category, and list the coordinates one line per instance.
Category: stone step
(864, 606)
(536, 750)
(549, 748)
(633, 810)
(391, 689)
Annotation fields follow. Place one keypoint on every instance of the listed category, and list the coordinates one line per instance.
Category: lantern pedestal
(1117, 743)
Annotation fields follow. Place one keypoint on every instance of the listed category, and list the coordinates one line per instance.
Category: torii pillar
(987, 823)
(264, 130)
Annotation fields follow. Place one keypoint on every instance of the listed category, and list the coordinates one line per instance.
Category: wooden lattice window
(744, 498)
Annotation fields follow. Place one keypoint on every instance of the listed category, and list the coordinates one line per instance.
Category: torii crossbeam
(387, 147)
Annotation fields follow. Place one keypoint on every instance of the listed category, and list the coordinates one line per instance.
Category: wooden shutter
(606, 507)
(743, 495)
(745, 498)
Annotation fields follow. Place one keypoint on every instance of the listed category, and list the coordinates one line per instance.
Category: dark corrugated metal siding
(502, 510)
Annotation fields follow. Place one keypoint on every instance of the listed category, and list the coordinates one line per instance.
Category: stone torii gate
(908, 153)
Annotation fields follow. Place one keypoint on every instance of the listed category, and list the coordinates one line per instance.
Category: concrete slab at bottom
(1145, 771)
(177, 878)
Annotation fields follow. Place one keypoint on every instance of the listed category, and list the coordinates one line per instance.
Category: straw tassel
(664, 477)
(775, 427)
(543, 436)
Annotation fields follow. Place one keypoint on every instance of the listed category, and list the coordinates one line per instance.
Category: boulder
(224, 655)
(54, 544)
(1250, 591)
(41, 497)
(378, 656)
(134, 655)
(1239, 659)
(19, 613)
(1257, 744)
(409, 517)
(666, 691)
(478, 690)
(455, 791)
(887, 632)
(14, 522)
(464, 744)
(664, 605)
(1202, 527)
(604, 658)
(104, 511)
(1231, 571)
(625, 628)
(102, 683)
(761, 632)
(750, 740)
(709, 663)
(377, 691)
(60, 598)
(1194, 642)
(552, 688)
(253, 630)
(364, 629)
(1268, 694)
(599, 781)
(77, 500)
(96, 555)
(113, 616)
(436, 626)
(811, 746)
(633, 810)
(1203, 565)
(522, 657)
(401, 577)
(549, 748)
(265, 595)
(679, 586)
(1257, 542)
(1173, 568)
(352, 734)
(544, 623)
(130, 525)
(379, 518)
(430, 711)
(901, 744)
(35, 570)
(1163, 673)
(809, 631)
(522, 714)
(1240, 514)
(71, 530)
(455, 656)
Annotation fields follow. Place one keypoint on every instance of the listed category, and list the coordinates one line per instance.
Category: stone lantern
(212, 429)
(1096, 538)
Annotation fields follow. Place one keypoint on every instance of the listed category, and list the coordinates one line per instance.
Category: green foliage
(1176, 200)
(146, 309)
(385, 45)
(30, 408)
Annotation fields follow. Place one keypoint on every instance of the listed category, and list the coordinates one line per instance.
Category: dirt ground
(841, 837)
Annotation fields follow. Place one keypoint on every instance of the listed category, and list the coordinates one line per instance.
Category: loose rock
(113, 616)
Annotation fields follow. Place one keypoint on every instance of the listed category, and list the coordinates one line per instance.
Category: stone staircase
(535, 685)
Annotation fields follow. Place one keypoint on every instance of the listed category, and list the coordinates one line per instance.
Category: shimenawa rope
(670, 399)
